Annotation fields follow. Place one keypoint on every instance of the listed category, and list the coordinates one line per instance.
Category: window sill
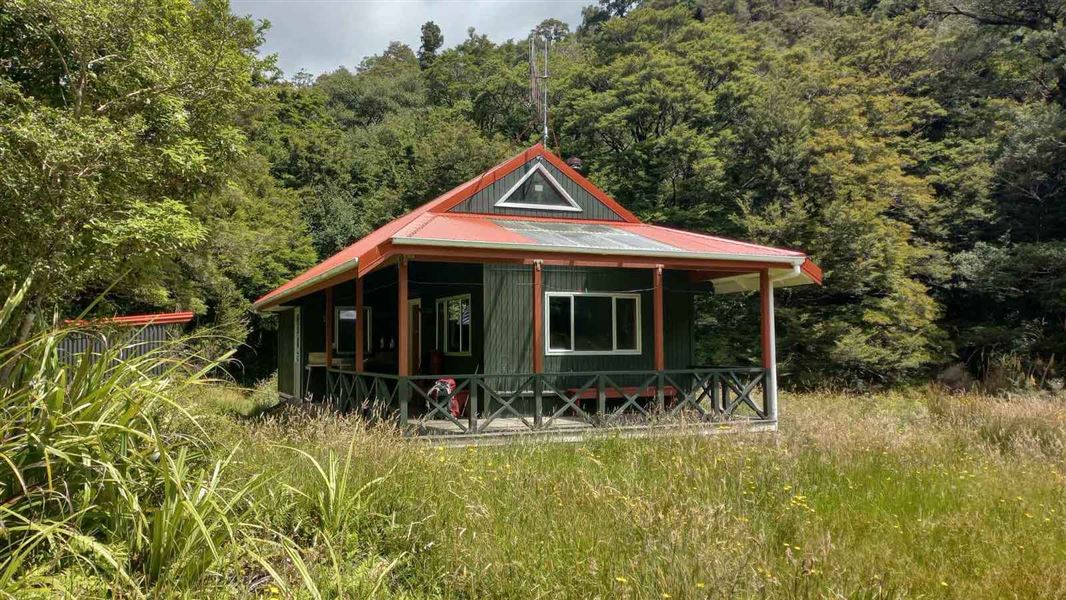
(592, 353)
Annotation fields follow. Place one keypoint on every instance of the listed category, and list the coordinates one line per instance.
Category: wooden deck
(566, 429)
(501, 425)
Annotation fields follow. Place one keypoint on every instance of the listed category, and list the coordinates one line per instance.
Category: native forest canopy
(154, 159)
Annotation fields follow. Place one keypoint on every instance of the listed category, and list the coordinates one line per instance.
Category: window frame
(368, 329)
(615, 351)
(505, 199)
(440, 306)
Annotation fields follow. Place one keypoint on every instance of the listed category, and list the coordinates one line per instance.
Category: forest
(155, 159)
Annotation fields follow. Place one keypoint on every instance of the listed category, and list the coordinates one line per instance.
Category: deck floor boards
(572, 429)
(501, 425)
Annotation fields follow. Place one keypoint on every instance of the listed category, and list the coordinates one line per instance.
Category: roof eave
(769, 258)
(806, 273)
(269, 301)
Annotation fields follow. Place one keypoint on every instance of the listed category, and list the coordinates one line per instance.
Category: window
(453, 325)
(593, 323)
(538, 189)
(344, 324)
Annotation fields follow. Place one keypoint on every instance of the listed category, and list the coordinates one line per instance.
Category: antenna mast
(538, 81)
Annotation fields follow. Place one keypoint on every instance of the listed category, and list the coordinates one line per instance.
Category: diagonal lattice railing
(488, 403)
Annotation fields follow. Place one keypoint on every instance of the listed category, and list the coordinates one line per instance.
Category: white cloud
(321, 35)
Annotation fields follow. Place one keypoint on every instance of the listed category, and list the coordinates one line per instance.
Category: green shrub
(89, 486)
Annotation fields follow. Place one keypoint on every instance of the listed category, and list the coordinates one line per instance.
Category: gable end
(538, 190)
(506, 196)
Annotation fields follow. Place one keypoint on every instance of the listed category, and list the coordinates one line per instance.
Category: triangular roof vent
(538, 189)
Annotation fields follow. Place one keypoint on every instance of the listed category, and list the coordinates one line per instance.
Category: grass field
(916, 494)
(136, 478)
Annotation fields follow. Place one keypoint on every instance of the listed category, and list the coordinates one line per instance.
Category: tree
(123, 164)
(698, 125)
(552, 30)
(118, 115)
(432, 40)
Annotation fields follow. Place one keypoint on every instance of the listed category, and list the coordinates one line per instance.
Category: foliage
(92, 490)
(123, 163)
(432, 40)
(912, 148)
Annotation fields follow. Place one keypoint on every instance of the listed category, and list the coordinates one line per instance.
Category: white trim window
(454, 317)
(344, 321)
(592, 323)
(530, 187)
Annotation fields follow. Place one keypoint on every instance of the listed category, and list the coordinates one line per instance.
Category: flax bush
(94, 498)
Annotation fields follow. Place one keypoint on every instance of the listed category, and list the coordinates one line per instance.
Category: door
(297, 355)
(414, 336)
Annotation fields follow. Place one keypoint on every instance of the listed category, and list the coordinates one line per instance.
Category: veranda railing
(544, 401)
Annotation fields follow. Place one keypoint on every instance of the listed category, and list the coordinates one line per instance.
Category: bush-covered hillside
(914, 148)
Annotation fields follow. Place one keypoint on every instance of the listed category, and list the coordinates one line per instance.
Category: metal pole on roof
(538, 83)
(546, 91)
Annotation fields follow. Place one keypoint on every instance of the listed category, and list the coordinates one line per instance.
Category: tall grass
(94, 498)
(877, 496)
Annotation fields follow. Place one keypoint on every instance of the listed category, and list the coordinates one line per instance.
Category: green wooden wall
(501, 319)
(285, 350)
(509, 315)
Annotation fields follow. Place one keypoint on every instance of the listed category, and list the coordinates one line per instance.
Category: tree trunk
(26, 328)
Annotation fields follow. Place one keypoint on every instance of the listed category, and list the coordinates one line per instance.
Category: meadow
(905, 494)
(121, 484)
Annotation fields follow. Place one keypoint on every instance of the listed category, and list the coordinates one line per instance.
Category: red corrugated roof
(492, 230)
(138, 320)
(431, 221)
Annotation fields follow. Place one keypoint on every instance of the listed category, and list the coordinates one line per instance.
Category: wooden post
(329, 327)
(601, 400)
(660, 356)
(402, 321)
(538, 317)
(472, 402)
(360, 326)
(768, 343)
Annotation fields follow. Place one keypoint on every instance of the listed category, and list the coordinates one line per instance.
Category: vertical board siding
(131, 342)
(484, 202)
(679, 308)
(286, 381)
(509, 316)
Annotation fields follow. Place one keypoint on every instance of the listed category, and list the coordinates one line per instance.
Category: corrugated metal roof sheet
(564, 235)
(582, 235)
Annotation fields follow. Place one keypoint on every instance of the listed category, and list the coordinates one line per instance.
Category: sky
(321, 35)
